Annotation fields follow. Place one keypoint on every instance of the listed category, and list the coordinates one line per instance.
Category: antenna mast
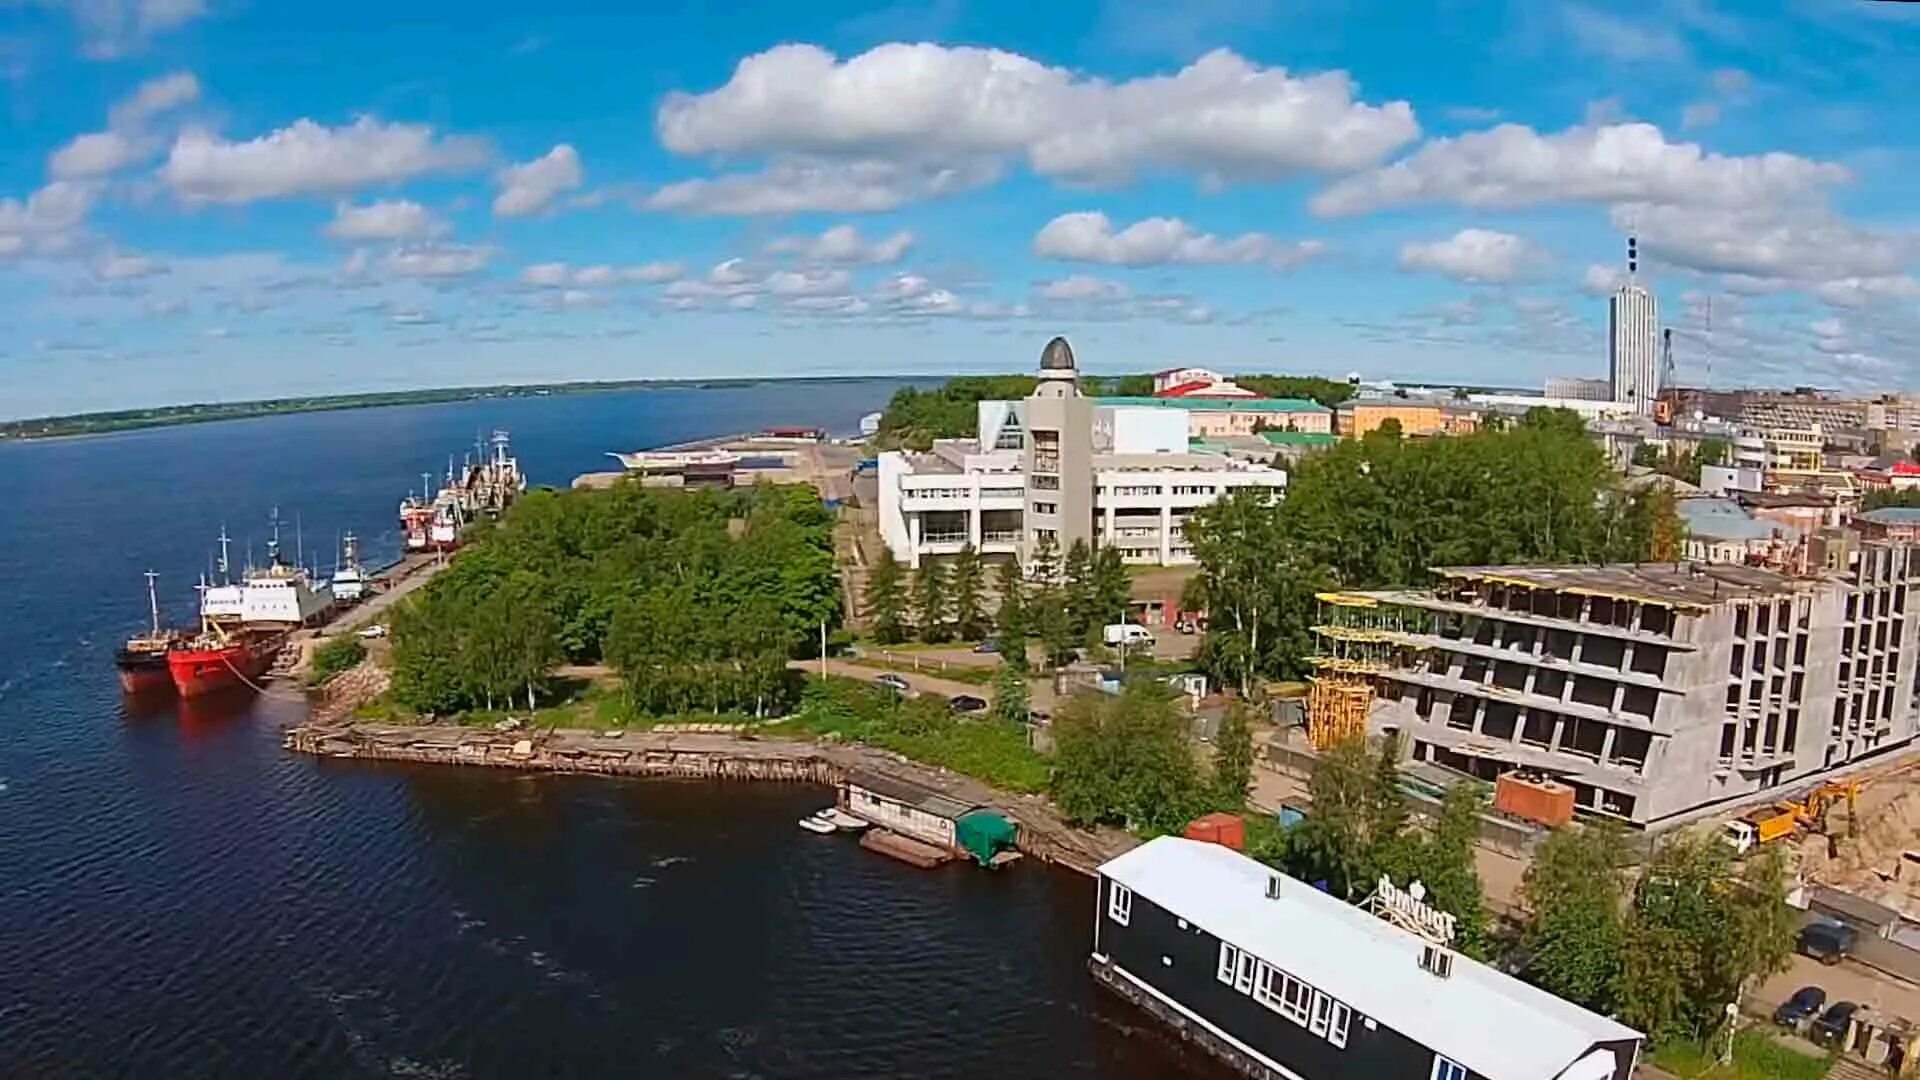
(226, 568)
(153, 602)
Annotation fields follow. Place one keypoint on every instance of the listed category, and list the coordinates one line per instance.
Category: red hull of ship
(196, 672)
(147, 680)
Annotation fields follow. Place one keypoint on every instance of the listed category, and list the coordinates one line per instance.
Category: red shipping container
(1227, 830)
(1548, 802)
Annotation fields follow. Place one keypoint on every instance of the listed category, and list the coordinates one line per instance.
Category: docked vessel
(350, 580)
(218, 658)
(142, 659)
(475, 490)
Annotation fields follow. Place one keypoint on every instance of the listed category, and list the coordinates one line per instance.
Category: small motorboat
(815, 823)
(842, 820)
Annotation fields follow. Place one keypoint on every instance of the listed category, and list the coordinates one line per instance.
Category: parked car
(1805, 1004)
(1127, 634)
(1186, 626)
(967, 703)
(377, 630)
(1832, 1025)
(1826, 940)
(990, 645)
(896, 683)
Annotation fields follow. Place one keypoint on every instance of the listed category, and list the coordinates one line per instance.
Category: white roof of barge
(1494, 1024)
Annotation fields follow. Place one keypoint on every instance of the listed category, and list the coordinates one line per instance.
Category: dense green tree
(1233, 758)
(1258, 592)
(1333, 844)
(932, 605)
(1047, 607)
(1010, 694)
(1012, 621)
(1647, 455)
(743, 577)
(1109, 589)
(887, 599)
(1077, 589)
(914, 417)
(1442, 860)
(1126, 759)
(1703, 927)
(1575, 933)
(967, 587)
(1328, 392)
(1881, 498)
(1379, 512)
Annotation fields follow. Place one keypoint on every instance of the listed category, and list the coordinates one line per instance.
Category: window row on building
(1284, 994)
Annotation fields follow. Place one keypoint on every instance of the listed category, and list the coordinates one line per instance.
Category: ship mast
(153, 602)
(226, 569)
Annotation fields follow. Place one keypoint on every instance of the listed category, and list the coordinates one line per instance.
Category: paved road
(1847, 981)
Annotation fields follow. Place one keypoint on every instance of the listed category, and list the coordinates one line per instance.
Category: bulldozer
(1788, 816)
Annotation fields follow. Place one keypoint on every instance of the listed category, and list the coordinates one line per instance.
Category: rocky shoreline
(1044, 834)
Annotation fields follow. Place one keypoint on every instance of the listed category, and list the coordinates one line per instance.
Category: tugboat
(142, 661)
(349, 581)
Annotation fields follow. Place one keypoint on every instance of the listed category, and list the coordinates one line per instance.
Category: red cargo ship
(217, 659)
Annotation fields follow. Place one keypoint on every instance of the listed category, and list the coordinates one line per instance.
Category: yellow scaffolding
(1337, 707)
(1357, 637)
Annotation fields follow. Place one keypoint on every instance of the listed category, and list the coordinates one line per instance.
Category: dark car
(1805, 1003)
(894, 683)
(1832, 1025)
(988, 646)
(1826, 940)
(967, 703)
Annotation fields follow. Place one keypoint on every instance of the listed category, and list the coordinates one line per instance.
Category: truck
(1127, 635)
(1762, 826)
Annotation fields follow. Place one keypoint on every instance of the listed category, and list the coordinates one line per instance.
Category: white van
(1127, 634)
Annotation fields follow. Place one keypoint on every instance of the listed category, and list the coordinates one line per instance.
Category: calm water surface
(178, 896)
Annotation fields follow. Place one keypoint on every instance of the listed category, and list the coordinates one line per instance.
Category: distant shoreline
(100, 423)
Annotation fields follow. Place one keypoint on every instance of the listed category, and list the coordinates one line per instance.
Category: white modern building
(1633, 346)
(1055, 468)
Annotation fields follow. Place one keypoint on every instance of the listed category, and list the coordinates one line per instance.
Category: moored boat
(142, 659)
(217, 659)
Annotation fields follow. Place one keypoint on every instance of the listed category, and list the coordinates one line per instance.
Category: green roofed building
(1223, 417)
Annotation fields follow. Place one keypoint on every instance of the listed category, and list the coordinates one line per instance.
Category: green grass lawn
(1756, 1056)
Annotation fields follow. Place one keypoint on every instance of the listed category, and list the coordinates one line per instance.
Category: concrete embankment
(1043, 833)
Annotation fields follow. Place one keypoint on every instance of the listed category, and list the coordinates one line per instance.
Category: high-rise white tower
(1633, 340)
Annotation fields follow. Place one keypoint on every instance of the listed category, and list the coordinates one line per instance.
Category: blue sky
(217, 199)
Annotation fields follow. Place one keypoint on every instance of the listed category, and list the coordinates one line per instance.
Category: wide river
(180, 897)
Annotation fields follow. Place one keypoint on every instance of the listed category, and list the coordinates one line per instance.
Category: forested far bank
(1381, 511)
(697, 598)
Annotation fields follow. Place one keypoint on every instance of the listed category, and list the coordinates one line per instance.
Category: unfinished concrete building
(1653, 690)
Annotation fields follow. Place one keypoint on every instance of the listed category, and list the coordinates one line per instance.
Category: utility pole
(823, 648)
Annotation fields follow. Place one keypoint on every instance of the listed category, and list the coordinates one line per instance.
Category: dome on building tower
(1057, 356)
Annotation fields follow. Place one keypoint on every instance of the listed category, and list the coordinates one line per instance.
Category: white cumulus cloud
(438, 260)
(1476, 255)
(113, 28)
(530, 187)
(45, 220)
(1513, 165)
(1083, 287)
(127, 140)
(306, 158)
(811, 186)
(1602, 280)
(396, 219)
(843, 244)
(555, 275)
(1221, 116)
(1088, 236)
